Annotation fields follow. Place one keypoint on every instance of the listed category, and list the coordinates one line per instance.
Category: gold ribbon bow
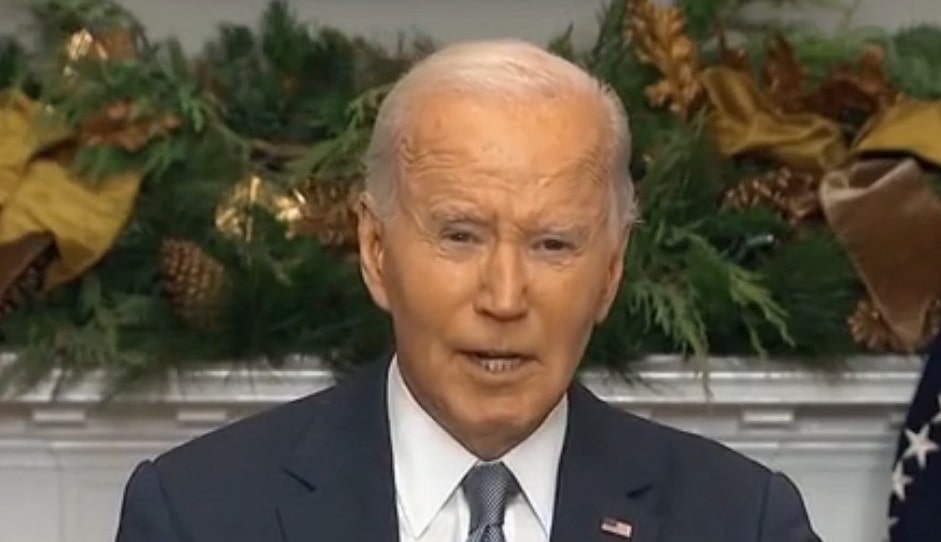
(40, 192)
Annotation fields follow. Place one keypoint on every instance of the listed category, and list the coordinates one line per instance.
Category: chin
(507, 418)
(493, 436)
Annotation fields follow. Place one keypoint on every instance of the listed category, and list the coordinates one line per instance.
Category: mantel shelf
(662, 380)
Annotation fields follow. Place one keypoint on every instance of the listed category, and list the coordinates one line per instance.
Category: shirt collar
(429, 464)
(535, 463)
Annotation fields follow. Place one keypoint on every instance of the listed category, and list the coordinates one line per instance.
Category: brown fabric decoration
(888, 217)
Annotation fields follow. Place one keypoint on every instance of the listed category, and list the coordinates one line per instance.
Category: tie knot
(488, 487)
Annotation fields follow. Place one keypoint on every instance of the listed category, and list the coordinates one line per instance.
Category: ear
(612, 280)
(371, 236)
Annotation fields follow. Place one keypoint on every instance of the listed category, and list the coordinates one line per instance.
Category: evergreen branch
(281, 151)
(671, 307)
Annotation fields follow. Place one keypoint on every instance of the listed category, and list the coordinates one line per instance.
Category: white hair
(505, 69)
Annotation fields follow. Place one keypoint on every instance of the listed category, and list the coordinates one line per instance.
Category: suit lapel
(339, 477)
(607, 471)
(338, 482)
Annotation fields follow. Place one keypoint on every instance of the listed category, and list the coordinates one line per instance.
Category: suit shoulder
(272, 431)
(694, 452)
(215, 485)
(708, 486)
(706, 489)
(260, 433)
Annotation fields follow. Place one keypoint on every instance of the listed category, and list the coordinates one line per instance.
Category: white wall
(193, 20)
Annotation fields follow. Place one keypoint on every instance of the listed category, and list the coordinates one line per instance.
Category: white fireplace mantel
(64, 458)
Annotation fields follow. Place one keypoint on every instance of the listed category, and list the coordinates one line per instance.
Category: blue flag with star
(915, 500)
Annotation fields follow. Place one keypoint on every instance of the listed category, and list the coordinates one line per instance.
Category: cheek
(426, 290)
(570, 299)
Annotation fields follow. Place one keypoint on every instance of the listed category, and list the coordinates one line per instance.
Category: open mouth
(496, 361)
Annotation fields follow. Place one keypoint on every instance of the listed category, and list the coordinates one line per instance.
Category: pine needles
(684, 289)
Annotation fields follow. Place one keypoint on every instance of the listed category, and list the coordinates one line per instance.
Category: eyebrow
(576, 231)
(455, 213)
(571, 229)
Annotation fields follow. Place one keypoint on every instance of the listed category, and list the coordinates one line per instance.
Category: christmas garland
(160, 212)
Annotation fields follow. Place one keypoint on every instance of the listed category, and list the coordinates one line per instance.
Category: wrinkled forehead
(541, 136)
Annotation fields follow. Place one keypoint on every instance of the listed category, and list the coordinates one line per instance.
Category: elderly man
(493, 231)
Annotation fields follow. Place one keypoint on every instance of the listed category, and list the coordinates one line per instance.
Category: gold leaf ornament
(115, 43)
(233, 216)
(88, 45)
(330, 212)
(324, 209)
(783, 76)
(864, 88)
(658, 34)
(120, 124)
(732, 57)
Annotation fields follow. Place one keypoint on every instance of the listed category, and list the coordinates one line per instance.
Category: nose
(503, 284)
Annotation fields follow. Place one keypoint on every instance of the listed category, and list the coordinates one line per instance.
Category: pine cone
(330, 213)
(790, 193)
(870, 329)
(23, 266)
(195, 283)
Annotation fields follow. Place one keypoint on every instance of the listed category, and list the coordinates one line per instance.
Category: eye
(554, 245)
(459, 236)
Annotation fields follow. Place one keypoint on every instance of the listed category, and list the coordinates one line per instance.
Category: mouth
(497, 361)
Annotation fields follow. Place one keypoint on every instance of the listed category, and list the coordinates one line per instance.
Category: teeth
(498, 364)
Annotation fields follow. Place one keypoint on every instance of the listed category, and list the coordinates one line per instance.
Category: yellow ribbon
(41, 194)
(745, 121)
(909, 126)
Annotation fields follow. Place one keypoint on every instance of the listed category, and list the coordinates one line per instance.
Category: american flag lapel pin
(617, 527)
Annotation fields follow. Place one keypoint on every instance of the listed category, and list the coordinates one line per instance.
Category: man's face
(498, 259)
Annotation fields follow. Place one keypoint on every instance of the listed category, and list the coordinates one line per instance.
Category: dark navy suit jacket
(319, 469)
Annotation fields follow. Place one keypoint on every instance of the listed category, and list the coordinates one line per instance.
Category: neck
(487, 447)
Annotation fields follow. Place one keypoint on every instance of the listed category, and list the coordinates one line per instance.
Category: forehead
(548, 146)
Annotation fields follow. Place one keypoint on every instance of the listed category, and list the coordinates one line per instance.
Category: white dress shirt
(429, 466)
